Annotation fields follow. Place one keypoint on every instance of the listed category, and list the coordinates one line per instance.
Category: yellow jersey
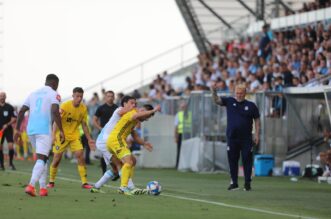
(72, 117)
(123, 128)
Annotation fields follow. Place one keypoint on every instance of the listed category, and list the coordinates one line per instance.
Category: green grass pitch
(184, 195)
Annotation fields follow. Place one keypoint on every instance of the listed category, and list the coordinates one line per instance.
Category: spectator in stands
(239, 132)
(296, 82)
(254, 83)
(265, 42)
(119, 97)
(286, 74)
(136, 94)
(278, 102)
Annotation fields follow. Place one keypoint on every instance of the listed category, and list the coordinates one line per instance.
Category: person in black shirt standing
(102, 116)
(7, 118)
(240, 116)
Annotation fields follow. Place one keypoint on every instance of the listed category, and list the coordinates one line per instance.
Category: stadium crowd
(269, 62)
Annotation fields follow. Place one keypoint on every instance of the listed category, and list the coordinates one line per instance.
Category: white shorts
(42, 143)
(101, 146)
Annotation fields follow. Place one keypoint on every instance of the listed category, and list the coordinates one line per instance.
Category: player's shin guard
(82, 173)
(126, 173)
(52, 173)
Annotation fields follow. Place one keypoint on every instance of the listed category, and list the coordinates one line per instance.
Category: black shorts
(8, 135)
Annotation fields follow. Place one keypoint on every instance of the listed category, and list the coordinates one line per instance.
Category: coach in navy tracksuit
(240, 116)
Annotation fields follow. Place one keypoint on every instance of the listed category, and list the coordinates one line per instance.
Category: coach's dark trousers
(246, 149)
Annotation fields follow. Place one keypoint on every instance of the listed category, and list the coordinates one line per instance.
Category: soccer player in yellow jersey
(117, 145)
(73, 114)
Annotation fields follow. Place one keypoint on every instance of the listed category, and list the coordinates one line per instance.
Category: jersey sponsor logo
(58, 97)
(5, 113)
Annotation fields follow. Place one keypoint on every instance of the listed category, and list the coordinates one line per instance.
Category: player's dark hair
(110, 92)
(149, 107)
(51, 78)
(126, 99)
(78, 90)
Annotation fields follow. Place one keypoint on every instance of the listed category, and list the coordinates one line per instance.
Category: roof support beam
(286, 6)
(193, 25)
(216, 15)
(248, 8)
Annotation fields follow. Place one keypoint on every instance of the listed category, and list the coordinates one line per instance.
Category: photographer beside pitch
(240, 116)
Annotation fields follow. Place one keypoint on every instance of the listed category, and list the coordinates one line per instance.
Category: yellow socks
(52, 173)
(126, 173)
(82, 173)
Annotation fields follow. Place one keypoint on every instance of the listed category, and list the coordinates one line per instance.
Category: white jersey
(40, 105)
(106, 130)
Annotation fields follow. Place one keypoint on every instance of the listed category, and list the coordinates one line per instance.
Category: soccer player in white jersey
(127, 104)
(43, 105)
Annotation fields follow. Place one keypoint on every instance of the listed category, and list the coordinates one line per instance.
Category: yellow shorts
(75, 145)
(118, 150)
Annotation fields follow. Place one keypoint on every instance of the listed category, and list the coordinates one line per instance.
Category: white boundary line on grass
(196, 200)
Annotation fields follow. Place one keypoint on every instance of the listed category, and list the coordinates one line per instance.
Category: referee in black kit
(7, 118)
(240, 116)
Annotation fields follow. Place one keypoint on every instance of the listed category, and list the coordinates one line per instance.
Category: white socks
(37, 171)
(43, 177)
(104, 179)
(107, 176)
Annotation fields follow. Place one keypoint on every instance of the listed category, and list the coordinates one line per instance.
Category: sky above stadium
(82, 41)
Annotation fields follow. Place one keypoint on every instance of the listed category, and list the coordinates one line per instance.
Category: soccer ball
(154, 188)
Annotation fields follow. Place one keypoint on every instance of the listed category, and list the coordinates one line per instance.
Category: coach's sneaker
(43, 192)
(87, 186)
(51, 185)
(233, 187)
(247, 187)
(30, 190)
(96, 190)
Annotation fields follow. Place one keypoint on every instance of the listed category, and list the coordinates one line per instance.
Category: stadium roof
(212, 21)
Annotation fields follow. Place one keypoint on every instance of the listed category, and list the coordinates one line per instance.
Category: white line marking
(195, 200)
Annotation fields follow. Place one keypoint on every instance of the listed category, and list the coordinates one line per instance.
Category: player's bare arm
(215, 97)
(90, 140)
(12, 121)
(143, 114)
(20, 118)
(57, 119)
(141, 141)
(96, 123)
(125, 109)
(257, 131)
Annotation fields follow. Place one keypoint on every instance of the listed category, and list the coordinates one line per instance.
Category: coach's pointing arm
(216, 98)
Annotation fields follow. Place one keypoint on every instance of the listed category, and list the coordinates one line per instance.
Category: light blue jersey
(40, 105)
(105, 132)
